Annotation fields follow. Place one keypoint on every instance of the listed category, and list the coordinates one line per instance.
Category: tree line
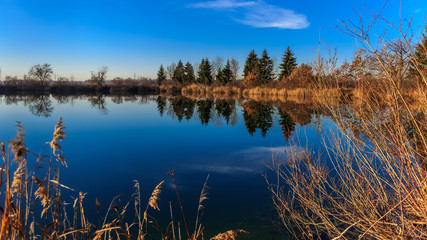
(406, 64)
(255, 71)
(40, 80)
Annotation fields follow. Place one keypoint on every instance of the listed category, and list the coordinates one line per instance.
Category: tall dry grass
(33, 207)
(373, 183)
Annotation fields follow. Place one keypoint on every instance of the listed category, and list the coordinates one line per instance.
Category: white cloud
(418, 10)
(259, 14)
(247, 161)
(223, 4)
(270, 16)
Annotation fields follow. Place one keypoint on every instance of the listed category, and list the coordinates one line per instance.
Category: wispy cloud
(418, 10)
(223, 4)
(246, 161)
(259, 14)
(275, 17)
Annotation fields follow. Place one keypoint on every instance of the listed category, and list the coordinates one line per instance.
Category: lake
(112, 141)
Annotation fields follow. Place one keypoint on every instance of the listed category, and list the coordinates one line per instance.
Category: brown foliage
(301, 77)
(250, 80)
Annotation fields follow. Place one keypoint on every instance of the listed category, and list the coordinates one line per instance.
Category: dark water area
(112, 141)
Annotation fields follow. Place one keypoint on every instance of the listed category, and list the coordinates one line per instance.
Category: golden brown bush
(301, 77)
(250, 80)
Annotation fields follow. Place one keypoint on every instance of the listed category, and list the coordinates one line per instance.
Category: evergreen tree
(265, 68)
(226, 73)
(179, 73)
(250, 64)
(420, 57)
(289, 63)
(189, 74)
(204, 75)
(161, 75)
(200, 73)
(219, 76)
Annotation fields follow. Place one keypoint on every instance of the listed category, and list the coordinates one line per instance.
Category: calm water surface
(112, 141)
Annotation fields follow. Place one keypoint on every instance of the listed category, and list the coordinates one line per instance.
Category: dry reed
(374, 183)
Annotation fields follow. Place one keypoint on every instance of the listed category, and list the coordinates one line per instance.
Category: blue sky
(136, 36)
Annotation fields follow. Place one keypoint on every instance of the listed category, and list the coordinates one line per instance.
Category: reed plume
(42, 194)
(155, 196)
(58, 136)
(229, 235)
(198, 230)
(18, 144)
(20, 152)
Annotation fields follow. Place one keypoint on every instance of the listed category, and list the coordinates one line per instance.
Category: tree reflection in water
(227, 110)
(99, 102)
(40, 105)
(161, 104)
(257, 116)
(287, 125)
(204, 108)
(182, 107)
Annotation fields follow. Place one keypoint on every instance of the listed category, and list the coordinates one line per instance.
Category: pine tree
(420, 58)
(189, 74)
(220, 76)
(161, 75)
(204, 75)
(208, 72)
(227, 74)
(265, 68)
(200, 73)
(179, 73)
(289, 63)
(250, 64)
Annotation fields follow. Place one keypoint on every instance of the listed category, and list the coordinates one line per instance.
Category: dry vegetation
(374, 182)
(260, 93)
(33, 207)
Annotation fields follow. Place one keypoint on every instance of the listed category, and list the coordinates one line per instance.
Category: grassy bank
(414, 97)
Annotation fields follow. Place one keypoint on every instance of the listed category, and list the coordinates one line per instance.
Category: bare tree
(196, 66)
(99, 77)
(235, 67)
(217, 64)
(396, 57)
(170, 70)
(42, 73)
